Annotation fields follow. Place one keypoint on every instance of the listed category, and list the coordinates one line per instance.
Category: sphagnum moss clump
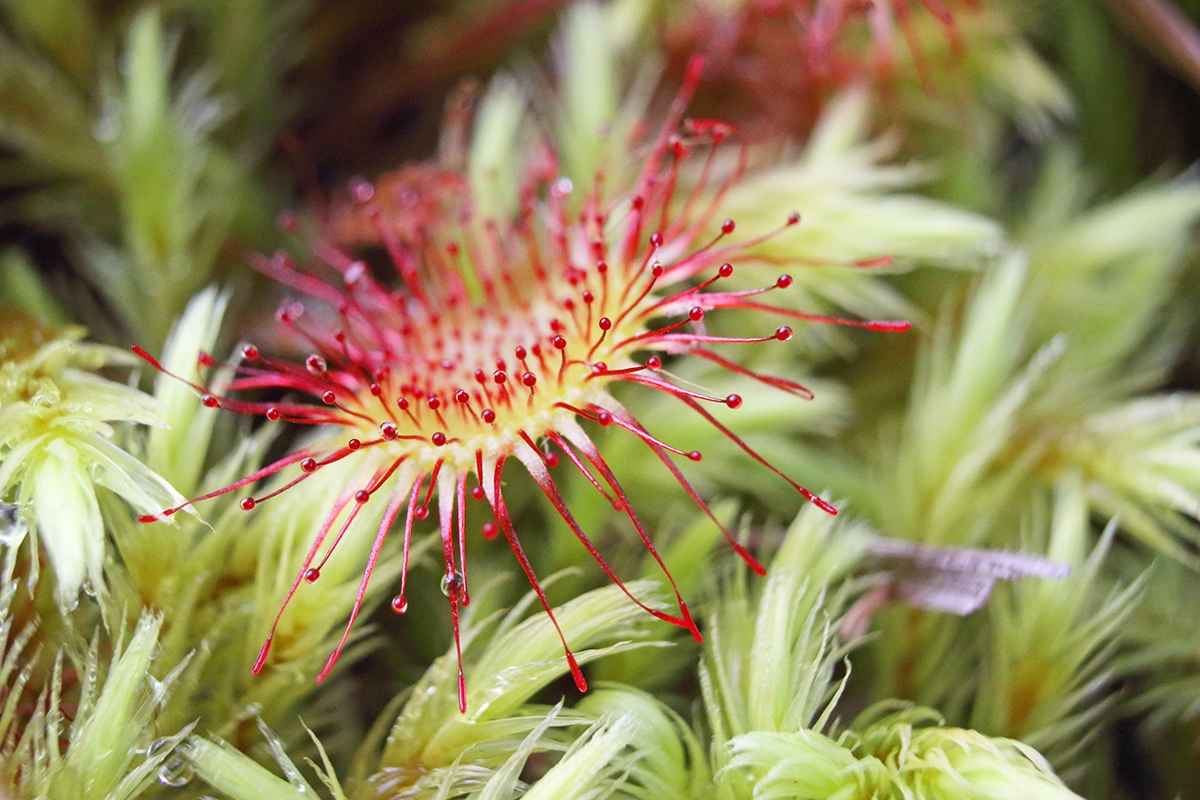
(59, 446)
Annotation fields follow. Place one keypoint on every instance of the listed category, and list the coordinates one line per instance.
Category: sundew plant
(637, 399)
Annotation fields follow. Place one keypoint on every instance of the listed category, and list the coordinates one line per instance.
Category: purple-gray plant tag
(957, 580)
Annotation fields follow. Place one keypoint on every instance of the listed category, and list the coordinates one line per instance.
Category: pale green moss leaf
(1053, 642)
(672, 763)
(57, 448)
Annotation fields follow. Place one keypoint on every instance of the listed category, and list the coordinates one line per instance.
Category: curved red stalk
(677, 297)
(446, 501)
(262, 473)
(677, 227)
(670, 388)
(537, 469)
(683, 301)
(651, 168)
(402, 260)
(506, 525)
(376, 546)
(651, 334)
(701, 260)
(646, 437)
(593, 455)
(344, 498)
(607, 373)
(554, 437)
(433, 476)
(462, 536)
(655, 273)
(376, 481)
(400, 603)
(707, 253)
(817, 501)
(302, 477)
(687, 487)
(770, 380)
(311, 415)
(286, 274)
(667, 338)
(721, 300)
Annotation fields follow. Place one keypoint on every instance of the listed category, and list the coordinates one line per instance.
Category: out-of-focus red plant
(779, 61)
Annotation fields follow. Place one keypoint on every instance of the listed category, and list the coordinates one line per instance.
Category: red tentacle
(262, 473)
(593, 455)
(687, 487)
(376, 547)
(338, 505)
(454, 580)
(510, 534)
(546, 482)
(819, 502)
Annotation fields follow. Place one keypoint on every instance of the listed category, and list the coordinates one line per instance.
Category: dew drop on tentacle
(452, 584)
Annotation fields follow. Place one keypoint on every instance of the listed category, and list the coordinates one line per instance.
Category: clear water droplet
(12, 526)
(176, 771)
(108, 126)
(453, 582)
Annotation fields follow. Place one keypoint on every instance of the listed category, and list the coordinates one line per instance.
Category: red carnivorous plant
(500, 336)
